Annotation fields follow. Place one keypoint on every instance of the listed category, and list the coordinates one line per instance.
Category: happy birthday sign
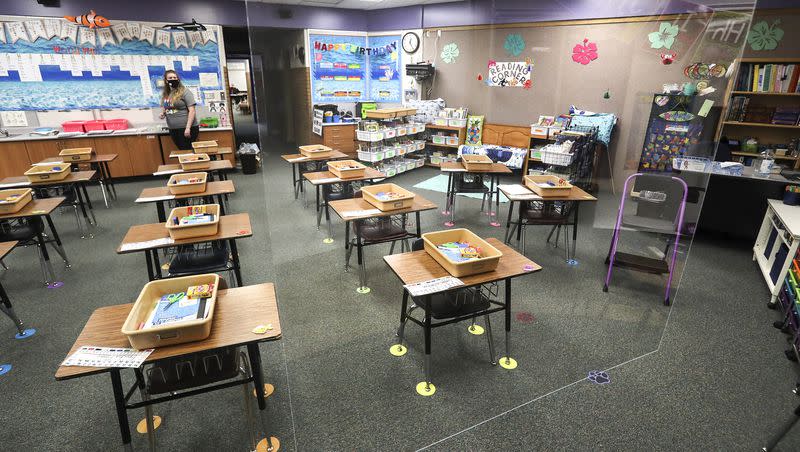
(353, 48)
(509, 73)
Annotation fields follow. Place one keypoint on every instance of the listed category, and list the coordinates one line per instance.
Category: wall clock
(410, 42)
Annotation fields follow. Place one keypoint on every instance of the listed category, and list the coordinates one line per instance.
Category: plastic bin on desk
(177, 231)
(487, 261)
(97, 124)
(14, 199)
(405, 200)
(474, 162)
(205, 147)
(177, 186)
(190, 162)
(76, 154)
(560, 187)
(346, 169)
(46, 172)
(73, 126)
(116, 124)
(179, 333)
(315, 150)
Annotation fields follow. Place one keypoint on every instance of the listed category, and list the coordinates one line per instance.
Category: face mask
(173, 83)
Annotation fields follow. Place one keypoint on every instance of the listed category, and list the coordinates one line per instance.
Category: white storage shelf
(782, 222)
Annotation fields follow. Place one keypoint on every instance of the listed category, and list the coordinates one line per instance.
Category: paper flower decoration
(584, 53)
(492, 63)
(527, 84)
(449, 53)
(664, 37)
(514, 44)
(764, 37)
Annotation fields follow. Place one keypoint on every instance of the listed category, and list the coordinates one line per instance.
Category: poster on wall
(509, 73)
(338, 68)
(92, 69)
(385, 68)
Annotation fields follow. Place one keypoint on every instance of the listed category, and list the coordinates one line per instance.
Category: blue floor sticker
(4, 368)
(25, 334)
(599, 377)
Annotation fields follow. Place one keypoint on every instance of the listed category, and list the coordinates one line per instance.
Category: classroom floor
(707, 373)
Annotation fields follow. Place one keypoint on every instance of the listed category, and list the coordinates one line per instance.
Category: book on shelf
(768, 78)
(787, 116)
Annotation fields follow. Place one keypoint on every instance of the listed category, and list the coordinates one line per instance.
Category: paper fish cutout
(677, 116)
(90, 20)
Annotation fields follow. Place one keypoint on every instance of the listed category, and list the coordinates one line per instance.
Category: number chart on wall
(88, 62)
(355, 68)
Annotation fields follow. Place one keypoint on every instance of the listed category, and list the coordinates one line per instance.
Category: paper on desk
(154, 198)
(173, 171)
(92, 356)
(433, 286)
(298, 159)
(360, 213)
(327, 180)
(48, 163)
(453, 170)
(515, 189)
(148, 244)
(15, 184)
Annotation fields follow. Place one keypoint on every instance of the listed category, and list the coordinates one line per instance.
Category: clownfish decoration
(91, 20)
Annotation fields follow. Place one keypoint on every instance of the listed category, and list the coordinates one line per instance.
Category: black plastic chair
(557, 214)
(30, 232)
(213, 257)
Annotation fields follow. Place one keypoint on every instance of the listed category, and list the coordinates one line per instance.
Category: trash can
(248, 156)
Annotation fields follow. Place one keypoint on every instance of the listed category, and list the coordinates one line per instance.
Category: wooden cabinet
(39, 150)
(145, 154)
(342, 138)
(121, 166)
(224, 138)
(14, 158)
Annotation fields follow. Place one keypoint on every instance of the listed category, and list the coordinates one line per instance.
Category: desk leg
(162, 215)
(149, 264)
(221, 202)
(102, 180)
(5, 306)
(88, 203)
(119, 402)
(258, 381)
(47, 269)
(496, 201)
(362, 268)
(328, 221)
(156, 264)
(419, 226)
(508, 221)
(79, 199)
(348, 250)
(237, 270)
(59, 247)
(109, 182)
(575, 230)
(295, 185)
(319, 208)
(507, 285)
(427, 362)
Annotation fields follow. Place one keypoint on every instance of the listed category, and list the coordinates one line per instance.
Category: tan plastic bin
(315, 150)
(161, 336)
(488, 260)
(370, 195)
(177, 188)
(76, 154)
(191, 162)
(205, 147)
(178, 232)
(347, 169)
(560, 188)
(46, 172)
(13, 200)
(476, 162)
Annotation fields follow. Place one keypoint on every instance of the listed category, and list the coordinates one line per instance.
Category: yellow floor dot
(263, 447)
(363, 290)
(398, 350)
(165, 266)
(425, 389)
(475, 329)
(268, 390)
(327, 241)
(141, 427)
(508, 363)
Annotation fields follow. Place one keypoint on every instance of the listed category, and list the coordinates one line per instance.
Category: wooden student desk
(98, 162)
(576, 195)
(419, 266)
(345, 208)
(5, 302)
(77, 180)
(302, 164)
(43, 208)
(158, 195)
(216, 166)
(320, 178)
(237, 312)
(213, 155)
(494, 172)
(231, 228)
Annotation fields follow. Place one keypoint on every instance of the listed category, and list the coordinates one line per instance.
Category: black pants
(180, 140)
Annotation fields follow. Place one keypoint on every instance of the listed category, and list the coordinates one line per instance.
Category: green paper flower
(664, 37)
(763, 36)
(450, 53)
(514, 44)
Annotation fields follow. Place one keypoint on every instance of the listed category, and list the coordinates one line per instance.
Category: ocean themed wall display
(385, 69)
(764, 36)
(91, 62)
(664, 37)
(584, 53)
(509, 73)
(514, 44)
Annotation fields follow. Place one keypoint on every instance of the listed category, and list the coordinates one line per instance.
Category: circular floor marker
(263, 447)
(572, 262)
(445, 212)
(25, 334)
(398, 350)
(491, 214)
(494, 224)
(55, 285)
(508, 363)
(525, 317)
(527, 268)
(327, 241)
(475, 329)
(449, 224)
(141, 427)
(5, 368)
(268, 390)
(425, 389)
(165, 266)
(363, 290)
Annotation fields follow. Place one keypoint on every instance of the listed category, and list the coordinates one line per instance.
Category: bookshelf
(750, 113)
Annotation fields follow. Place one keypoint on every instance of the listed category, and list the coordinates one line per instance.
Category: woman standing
(178, 106)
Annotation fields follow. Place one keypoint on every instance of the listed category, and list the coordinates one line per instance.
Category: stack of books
(768, 78)
(788, 116)
(738, 108)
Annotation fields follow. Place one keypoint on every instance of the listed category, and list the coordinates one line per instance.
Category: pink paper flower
(585, 53)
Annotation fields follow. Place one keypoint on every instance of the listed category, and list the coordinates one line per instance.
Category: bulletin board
(56, 64)
(347, 68)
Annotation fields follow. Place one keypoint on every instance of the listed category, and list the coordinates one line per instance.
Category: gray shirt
(178, 113)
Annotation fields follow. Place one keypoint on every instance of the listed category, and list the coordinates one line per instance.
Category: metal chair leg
(401, 330)
(347, 254)
(391, 248)
(43, 266)
(248, 409)
(492, 354)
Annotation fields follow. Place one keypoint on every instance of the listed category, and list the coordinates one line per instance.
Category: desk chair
(333, 192)
(211, 257)
(449, 307)
(373, 231)
(545, 213)
(28, 232)
(467, 183)
(71, 195)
